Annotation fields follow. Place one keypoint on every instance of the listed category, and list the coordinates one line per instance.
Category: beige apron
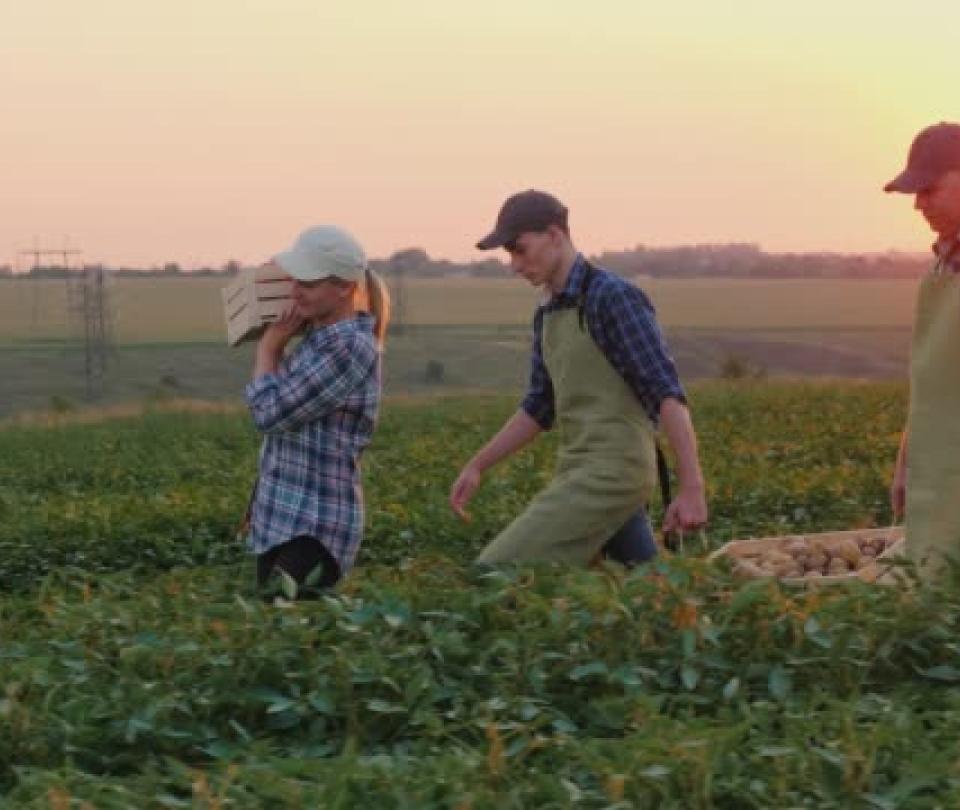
(607, 462)
(933, 451)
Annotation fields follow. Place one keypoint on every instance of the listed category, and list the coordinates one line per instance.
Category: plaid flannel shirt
(317, 414)
(622, 322)
(947, 252)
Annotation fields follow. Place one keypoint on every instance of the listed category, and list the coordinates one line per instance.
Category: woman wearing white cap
(317, 408)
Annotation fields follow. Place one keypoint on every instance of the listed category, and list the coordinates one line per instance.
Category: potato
(746, 568)
(817, 561)
(796, 546)
(818, 544)
(838, 566)
(843, 548)
(776, 557)
(801, 561)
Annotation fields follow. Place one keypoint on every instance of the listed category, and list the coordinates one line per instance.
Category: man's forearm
(519, 430)
(678, 427)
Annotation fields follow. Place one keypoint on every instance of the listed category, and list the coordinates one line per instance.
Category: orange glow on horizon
(198, 132)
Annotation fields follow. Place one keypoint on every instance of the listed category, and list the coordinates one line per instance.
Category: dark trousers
(299, 558)
(633, 543)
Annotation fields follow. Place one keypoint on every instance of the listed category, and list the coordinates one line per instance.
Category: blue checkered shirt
(317, 414)
(947, 252)
(622, 322)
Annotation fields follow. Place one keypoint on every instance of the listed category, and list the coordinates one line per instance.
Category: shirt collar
(571, 290)
(362, 320)
(947, 252)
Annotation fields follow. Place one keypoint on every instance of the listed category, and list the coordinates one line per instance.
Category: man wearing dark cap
(602, 375)
(926, 481)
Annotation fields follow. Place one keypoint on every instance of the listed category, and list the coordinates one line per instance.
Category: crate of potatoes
(255, 298)
(817, 558)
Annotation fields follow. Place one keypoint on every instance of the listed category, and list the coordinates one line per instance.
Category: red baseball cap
(934, 152)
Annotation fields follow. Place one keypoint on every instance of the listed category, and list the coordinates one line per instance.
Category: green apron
(933, 451)
(607, 463)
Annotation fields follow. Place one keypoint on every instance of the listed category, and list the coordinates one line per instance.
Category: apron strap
(663, 470)
(663, 474)
(588, 277)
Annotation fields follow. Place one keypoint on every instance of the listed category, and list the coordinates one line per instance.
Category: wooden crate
(255, 298)
(871, 572)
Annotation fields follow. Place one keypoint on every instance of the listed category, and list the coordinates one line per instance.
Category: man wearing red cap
(926, 481)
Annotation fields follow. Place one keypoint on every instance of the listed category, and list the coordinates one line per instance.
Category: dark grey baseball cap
(527, 211)
(935, 151)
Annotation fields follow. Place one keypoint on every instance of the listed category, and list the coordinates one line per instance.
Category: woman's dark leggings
(633, 543)
(299, 558)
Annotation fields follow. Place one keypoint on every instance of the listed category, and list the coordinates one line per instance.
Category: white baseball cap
(324, 251)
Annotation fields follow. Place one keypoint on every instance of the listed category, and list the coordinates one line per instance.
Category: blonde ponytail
(378, 300)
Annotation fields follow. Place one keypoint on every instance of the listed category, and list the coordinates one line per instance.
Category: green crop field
(189, 309)
(138, 670)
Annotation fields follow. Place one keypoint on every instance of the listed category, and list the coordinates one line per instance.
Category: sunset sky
(201, 130)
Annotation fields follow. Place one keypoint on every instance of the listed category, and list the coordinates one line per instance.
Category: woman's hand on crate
(278, 334)
(274, 340)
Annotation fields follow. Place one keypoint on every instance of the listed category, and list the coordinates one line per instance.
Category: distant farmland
(188, 309)
(462, 335)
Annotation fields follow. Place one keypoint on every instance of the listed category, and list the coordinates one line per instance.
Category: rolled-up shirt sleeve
(635, 345)
(539, 401)
(316, 385)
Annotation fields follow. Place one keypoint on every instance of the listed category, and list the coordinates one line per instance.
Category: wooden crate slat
(256, 297)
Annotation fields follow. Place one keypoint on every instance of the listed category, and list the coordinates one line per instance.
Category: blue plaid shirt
(622, 322)
(317, 414)
(947, 252)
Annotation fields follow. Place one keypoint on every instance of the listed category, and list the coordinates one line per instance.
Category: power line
(64, 253)
(37, 252)
(88, 301)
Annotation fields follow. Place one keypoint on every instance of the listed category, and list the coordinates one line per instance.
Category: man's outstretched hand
(463, 489)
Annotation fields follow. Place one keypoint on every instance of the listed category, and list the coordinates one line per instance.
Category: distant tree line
(737, 260)
(694, 261)
(416, 263)
(168, 270)
(749, 261)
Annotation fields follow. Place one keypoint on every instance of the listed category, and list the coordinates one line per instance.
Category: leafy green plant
(138, 668)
